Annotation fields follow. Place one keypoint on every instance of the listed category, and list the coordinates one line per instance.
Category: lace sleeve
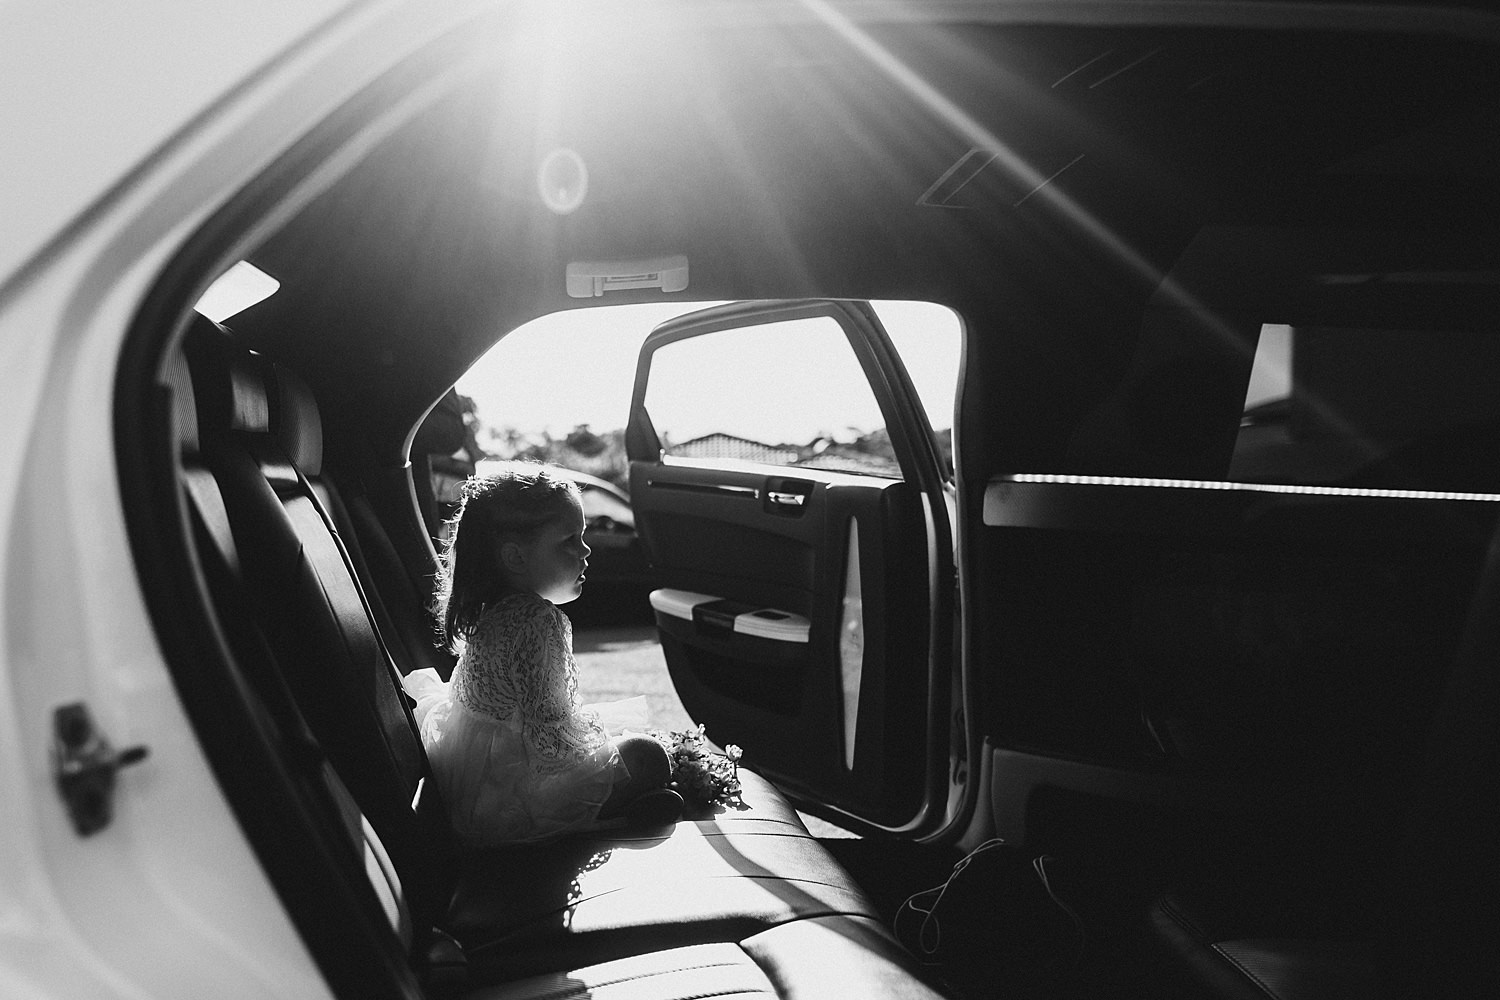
(557, 728)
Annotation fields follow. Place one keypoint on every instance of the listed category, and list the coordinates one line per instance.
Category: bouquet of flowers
(700, 776)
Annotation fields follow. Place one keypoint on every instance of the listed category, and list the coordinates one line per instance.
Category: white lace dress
(514, 754)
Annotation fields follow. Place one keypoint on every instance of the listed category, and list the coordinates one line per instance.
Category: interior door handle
(786, 499)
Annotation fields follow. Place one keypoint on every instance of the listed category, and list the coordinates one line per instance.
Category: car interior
(1177, 681)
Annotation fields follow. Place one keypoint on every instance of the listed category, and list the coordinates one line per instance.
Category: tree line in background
(581, 449)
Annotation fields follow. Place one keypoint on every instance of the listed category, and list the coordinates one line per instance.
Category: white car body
(126, 125)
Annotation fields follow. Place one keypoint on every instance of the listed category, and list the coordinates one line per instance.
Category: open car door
(792, 498)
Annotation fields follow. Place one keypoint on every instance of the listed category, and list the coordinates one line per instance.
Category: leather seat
(530, 908)
(832, 957)
(573, 903)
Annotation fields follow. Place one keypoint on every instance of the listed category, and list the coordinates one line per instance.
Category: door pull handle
(786, 499)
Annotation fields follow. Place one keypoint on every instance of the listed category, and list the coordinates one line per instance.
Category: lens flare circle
(562, 179)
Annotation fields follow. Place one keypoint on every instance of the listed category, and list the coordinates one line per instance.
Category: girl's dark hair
(512, 503)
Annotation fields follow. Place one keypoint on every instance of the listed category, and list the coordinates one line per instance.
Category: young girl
(514, 754)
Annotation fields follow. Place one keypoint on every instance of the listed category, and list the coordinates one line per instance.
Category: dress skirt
(494, 789)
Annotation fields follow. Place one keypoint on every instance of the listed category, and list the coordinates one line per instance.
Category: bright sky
(578, 367)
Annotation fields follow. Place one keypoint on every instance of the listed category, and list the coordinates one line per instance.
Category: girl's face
(551, 565)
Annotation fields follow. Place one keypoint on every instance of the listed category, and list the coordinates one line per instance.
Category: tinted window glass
(1386, 409)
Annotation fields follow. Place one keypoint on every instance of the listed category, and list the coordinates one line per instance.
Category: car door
(791, 496)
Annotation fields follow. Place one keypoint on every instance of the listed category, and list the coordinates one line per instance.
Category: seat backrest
(351, 835)
(259, 432)
(400, 606)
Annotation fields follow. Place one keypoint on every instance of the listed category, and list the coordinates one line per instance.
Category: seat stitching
(1244, 970)
(584, 990)
(790, 833)
(507, 939)
(1182, 920)
(574, 904)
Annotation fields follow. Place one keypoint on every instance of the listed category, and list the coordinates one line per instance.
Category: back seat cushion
(819, 958)
(527, 909)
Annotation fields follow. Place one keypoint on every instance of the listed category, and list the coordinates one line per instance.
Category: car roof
(960, 153)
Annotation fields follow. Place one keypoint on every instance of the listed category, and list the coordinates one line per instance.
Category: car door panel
(795, 615)
(745, 558)
(686, 513)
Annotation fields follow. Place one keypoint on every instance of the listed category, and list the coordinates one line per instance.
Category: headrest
(227, 381)
(239, 390)
(295, 420)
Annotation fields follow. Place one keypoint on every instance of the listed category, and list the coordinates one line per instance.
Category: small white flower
(733, 752)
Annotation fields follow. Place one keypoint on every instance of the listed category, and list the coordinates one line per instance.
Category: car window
(558, 389)
(789, 393)
(929, 339)
(599, 504)
(1313, 405)
(1392, 409)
